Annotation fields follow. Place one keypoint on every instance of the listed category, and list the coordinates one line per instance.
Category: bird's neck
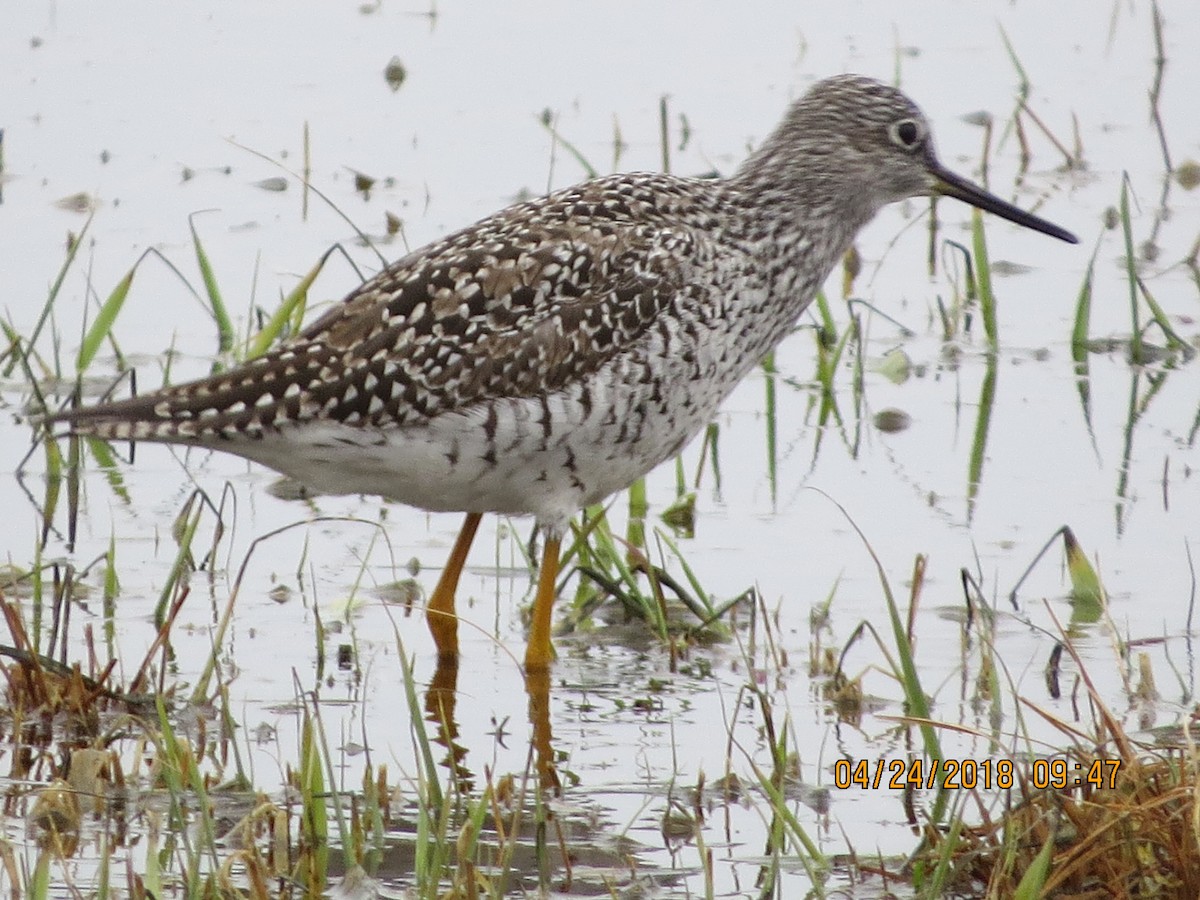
(796, 200)
(797, 227)
(799, 224)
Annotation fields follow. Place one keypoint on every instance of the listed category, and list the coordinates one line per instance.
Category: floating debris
(1188, 174)
(892, 420)
(277, 184)
(82, 202)
(394, 73)
(363, 182)
(1006, 267)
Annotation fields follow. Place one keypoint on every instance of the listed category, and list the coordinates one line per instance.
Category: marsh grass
(1094, 810)
(179, 743)
(282, 849)
(1106, 811)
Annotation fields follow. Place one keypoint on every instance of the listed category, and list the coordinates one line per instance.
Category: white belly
(500, 456)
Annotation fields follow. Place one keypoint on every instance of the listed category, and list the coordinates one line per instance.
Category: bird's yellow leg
(539, 654)
(439, 613)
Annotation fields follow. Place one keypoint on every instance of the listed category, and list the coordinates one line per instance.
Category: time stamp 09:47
(1058, 773)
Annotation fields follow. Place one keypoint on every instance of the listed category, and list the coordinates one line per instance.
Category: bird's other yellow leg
(539, 654)
(439, 613)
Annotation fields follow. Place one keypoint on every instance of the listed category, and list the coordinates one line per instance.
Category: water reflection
(441, 706)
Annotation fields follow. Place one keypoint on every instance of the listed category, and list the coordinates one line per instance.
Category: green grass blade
(987, 400)
(828, 361)
(712, 441)
(225, 332)
(935, 884)
(1135, 327)
(825, 314)
(102, 453)
(55, 470)
(1086, 590)
(417, 718)
(547, 120)
(635, 529)
(39, 884)
(772, 436)
(983, 275)
(1034, 880)
(315, 814)
(916, 700)
(103, 875)
(288, 311)
(186, 524)
(1174, 340)
(1083, 311)
(102, 326)
(1022, 75)
(72, 251)
(112, 584)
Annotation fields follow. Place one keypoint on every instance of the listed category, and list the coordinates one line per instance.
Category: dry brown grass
(1132, 832)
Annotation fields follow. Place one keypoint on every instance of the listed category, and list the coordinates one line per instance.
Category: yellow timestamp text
(970, 774)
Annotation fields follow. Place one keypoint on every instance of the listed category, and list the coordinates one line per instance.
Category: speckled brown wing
(517, 305)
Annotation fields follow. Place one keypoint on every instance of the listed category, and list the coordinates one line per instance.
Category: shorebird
(552, 353)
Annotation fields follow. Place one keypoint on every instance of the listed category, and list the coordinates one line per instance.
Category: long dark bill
(950, 185)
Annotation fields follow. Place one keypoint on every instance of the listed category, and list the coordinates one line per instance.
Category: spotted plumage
(550, 354)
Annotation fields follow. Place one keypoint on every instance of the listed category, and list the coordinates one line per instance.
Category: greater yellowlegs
(547, 356)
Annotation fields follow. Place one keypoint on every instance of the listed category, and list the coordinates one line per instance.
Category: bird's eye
(907, 134)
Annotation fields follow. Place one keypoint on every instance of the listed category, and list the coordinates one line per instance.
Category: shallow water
(121, 102)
